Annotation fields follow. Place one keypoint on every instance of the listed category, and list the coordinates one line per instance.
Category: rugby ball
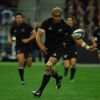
(78, 34)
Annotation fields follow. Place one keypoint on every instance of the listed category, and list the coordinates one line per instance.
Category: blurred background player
(96, 40)
(54, 29)
(70, 52)
(24, 33)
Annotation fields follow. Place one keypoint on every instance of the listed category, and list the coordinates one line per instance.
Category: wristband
(83, 44)
(88, 47)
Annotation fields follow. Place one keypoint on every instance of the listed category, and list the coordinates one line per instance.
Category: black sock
(21, 73)
(73, 70)
(66, 70)
(45, 81)
(24, 64)
(55, 75)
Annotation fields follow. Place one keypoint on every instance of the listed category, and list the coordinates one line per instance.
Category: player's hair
(19, 14)
(56, 10)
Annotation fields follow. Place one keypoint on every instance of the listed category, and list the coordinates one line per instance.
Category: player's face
(19, 19)
(57, 17)
(70, 22)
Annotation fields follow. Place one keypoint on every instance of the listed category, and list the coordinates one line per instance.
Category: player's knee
(48, 69)
(29, 63)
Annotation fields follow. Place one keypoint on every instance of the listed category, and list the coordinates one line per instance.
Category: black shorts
(27, 51)
(68, 54)
(57, 53)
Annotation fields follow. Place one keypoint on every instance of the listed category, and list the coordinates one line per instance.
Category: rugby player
(70, 52)
(54, 29)
(96, 40)
(24, 33)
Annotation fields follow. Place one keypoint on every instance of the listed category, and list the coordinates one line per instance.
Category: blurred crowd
(87, 13)
(7, 11)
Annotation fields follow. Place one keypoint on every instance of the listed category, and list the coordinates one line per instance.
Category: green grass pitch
(85, 87)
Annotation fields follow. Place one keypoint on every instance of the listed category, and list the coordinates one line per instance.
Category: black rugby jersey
(54, 33)
(21, 31)
(68, 41)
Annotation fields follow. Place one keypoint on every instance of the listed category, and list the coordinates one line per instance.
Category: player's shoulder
(13, 25)
(47, 21)
(27, 25)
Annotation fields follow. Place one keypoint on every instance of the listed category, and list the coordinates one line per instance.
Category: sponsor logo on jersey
(50, 28)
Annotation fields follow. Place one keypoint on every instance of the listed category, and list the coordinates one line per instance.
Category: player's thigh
(73, 61)
(20, 58)
(66, 63)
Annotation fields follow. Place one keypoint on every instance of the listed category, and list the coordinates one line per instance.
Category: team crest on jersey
(23, 30)
(50, 28)
(66, 33)
(64, 43)
(76, 53)
(55, 54)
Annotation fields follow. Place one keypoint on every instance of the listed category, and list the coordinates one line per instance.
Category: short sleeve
(43, 25)
(11, 31)
(29, 28)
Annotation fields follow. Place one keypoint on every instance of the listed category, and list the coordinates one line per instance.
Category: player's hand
(95, 44)
(9, 41)
(93, 47)
(43, 49)
(25, 40)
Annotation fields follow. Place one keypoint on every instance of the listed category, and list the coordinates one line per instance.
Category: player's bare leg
(66, 66)
(48, 72)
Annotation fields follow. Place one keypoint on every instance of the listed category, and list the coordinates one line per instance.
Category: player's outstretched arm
(85, 45)
(39, 36)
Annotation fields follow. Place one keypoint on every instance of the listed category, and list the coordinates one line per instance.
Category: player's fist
(93, 47)
(25, 40)
(43, 49)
